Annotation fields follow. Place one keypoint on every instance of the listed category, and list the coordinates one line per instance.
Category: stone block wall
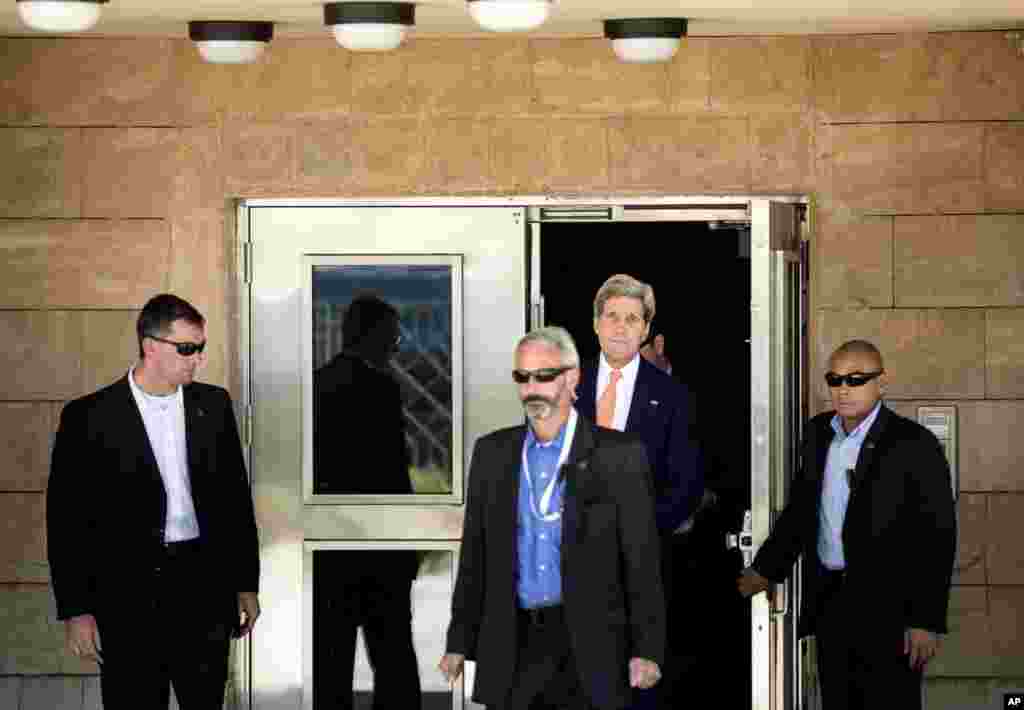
(121, 158)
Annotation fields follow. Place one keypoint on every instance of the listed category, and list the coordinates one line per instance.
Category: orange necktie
(606, 405)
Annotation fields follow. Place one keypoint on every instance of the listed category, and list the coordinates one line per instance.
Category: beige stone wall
(121, 157)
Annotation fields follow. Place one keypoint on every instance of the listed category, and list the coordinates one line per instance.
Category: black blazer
(660, 413)
(611, 584)
(899, 533)
(106, 503)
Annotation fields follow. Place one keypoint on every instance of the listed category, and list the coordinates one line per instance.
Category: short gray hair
(556, 337)
(625, 285)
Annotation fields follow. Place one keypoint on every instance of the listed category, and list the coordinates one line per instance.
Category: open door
(776, 380)
(742, 259)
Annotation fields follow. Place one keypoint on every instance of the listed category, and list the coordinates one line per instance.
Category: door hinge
(537, 313)
(247, 436)
(246, 262)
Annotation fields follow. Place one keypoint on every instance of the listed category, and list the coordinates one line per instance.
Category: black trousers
(546, 677)
(861, 668)
(364, 589)
(674, 564)
(174, 632)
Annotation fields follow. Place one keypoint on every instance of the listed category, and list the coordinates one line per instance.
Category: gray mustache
(538, 398)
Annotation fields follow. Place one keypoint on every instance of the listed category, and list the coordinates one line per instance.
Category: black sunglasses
(184, 349)
(543, 375)
(854, 379)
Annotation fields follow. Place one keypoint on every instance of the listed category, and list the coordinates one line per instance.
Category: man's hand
(451, 666)
(248, 612)
(643, 673)
(751, 583)
(83, 637)
(920, 645)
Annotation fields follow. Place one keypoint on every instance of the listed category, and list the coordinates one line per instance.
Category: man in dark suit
(558, 597)
(359, 447)
(153, 549)
(872, 515)
(623, 390)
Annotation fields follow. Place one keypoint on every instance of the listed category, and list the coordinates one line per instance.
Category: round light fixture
(509, 15)
(230, 41)
(60, 15)
(369, 26)
(645, 39)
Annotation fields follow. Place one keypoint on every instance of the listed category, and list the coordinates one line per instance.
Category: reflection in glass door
(385, 361)
(378, 619)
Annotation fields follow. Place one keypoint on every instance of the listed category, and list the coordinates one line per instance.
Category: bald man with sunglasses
(872, 515)
(153, 550)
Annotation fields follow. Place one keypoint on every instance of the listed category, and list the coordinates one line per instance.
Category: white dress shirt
(624, 395)
(164, 417)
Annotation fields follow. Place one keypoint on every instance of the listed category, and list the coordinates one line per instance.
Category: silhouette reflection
(359, 447)
(358, 426)
(368, 339)
(369, 589)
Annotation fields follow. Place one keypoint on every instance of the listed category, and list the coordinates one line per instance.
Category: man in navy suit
(622, 390)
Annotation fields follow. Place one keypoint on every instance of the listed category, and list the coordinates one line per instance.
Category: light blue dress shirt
(835, 493)
(540, 540)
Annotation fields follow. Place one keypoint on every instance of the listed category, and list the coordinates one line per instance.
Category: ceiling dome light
(645, 39)
(230, 42)
(509, 15)
(370, 26)
(60, 15)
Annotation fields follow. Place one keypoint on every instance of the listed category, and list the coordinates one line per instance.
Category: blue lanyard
(543, 512)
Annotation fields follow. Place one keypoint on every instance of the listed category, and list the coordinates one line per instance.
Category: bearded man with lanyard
(559, 596)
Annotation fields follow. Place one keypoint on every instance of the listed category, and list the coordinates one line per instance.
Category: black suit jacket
(611, 584)
(660, 413)
(106, 503)
(899, 533)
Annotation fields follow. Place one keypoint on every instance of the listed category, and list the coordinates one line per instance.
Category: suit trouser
(673, 561)
(545, 677)
(180, 636)
(859, 674)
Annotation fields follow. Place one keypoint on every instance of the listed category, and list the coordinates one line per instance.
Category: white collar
(152, 400)
(629, 372)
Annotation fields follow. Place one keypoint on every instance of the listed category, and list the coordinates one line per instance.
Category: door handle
(744, 539)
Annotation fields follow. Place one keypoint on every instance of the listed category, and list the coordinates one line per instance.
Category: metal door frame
(777, 395)
(543, 208)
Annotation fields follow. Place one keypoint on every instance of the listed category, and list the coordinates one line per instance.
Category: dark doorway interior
(701, 281)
